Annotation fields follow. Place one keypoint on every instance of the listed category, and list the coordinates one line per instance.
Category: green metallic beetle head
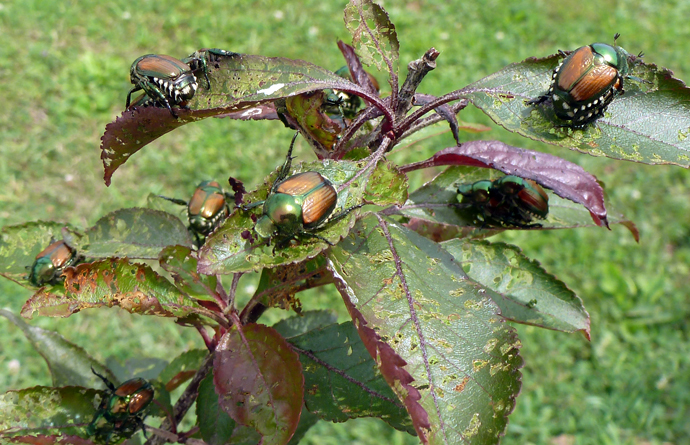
(282, 214)
(477, 192)
(615, 56)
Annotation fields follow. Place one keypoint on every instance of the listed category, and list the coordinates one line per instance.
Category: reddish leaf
(566, 179)
(242, 86)
(357, 72)
(259, 381)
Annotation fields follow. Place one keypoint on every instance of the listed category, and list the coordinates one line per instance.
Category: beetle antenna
(107, 382)
(615, 37)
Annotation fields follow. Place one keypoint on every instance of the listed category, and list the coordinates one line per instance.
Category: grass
(64, 69)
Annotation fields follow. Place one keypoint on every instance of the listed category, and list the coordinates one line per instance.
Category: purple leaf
(566, 179)
(259, 381)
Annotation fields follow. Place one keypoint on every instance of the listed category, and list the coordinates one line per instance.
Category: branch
(416, 71)
(185, 401)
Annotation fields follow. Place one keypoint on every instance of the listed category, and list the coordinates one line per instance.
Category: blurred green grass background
(65, 74)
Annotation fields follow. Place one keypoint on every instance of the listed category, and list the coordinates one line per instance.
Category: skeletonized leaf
(435, 334)
(528, 294)
(41, 410)
(373, 36)
(259, 381)
(114, 282)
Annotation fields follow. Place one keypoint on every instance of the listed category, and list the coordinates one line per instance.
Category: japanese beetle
(206, 210)
(298, 205)
(311, 111)
(346, 104)
(525, 196)
(121, 411)
(586, 82)
(166, 80)
(507, 201)
(51, 262)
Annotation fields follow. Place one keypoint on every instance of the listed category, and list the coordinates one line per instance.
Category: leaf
(279, 285)
(306, 421)
(114, 282)
(44, 410)
(307, 321)
(215, 425)
(341, 379)
(182, 368)
(234, 247)
(182, 265)
(648, 123)
(133, 233)
(20, 244)
(240, 83)
(565, 178)
(69, 364)
(434, 334)
(373, 36)
(359, 76)
(386, 186)
(528, 294)
(435, 212)
(259, 381)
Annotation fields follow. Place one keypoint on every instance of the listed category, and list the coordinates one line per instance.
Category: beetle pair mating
(297, 206)
(587, 80)
(507, 201)
(168, 81)
(122, 410)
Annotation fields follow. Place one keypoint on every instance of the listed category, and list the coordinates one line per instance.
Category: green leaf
(528, 294)
(182, 367)
(69, 364)
(386, 186)
(215, 425)
(648, 123)
(182, 265)
(373, 35)
(20, 244)
(435, 334)
(306, 421)
(307, 321)
(279, 285)
(44, 410)
(259, 380)
(230, 248)
(342, 381)
(114, 282)
(133, 233)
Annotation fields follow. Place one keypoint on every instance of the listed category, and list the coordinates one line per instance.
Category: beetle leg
(285, 169)
(156, 95)
(129, 95)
